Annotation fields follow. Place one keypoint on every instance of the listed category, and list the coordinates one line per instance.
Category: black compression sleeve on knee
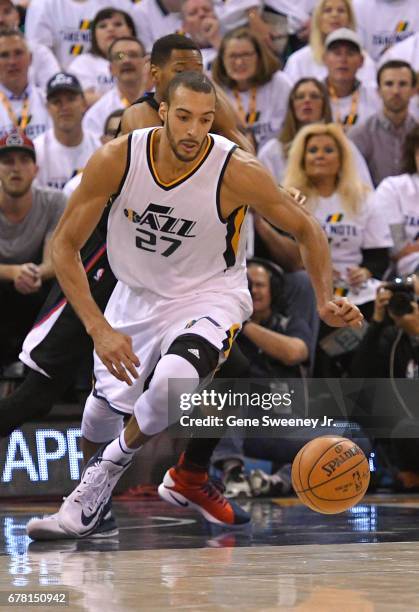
(34, 397)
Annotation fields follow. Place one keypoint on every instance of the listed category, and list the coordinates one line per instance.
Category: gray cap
(343, 35)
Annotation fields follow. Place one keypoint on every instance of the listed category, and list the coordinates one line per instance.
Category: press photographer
(390, 349)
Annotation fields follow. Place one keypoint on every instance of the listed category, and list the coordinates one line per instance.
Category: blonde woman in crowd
(321, 165)
(329, 15)
(250, 76)
(308, 103)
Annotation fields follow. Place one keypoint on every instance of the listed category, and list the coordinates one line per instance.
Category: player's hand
(340, 312)
(115, 351)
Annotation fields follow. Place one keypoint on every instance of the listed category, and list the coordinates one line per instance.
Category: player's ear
(163, 108)
(155, 73)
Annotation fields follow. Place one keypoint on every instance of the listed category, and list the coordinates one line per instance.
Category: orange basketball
(330, 474)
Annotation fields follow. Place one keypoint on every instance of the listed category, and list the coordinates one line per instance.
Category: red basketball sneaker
(187, 488)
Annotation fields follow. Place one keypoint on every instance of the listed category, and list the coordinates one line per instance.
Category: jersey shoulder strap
(149, 99)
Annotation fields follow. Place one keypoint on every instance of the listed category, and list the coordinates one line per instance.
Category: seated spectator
(249, 75)
(329, 15)
(28, 216)
(200, 22)
(381, 23)
(22, 104)
(321, 166)
(156, 18)
(381, 137)
(92, 68)
(63, 151)
(63, 26)
(398, 199)
(110, 131)
(43, 65)
(276, 341)
(308, 103)
(352, 101)
(126, 57)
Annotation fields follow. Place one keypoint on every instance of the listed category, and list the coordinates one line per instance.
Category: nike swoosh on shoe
(86, 520)
(181, 503)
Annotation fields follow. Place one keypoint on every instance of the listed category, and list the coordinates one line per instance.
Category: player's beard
(174, 145)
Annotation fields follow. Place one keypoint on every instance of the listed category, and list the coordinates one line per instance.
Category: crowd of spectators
(326, 91)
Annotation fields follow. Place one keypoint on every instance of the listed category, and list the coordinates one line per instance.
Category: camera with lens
(403, 290)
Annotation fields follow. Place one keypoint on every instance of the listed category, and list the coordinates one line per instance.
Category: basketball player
(178, 199)
(59, 340)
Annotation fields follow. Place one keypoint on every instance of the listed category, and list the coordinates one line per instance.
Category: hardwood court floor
(292, 559)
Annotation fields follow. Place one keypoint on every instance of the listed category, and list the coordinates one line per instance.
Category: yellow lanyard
(125, 102)
(252, 115)
(353, 113)
(22, 121)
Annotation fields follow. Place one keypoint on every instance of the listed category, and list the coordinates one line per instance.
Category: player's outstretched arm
(246, 181)
(101, 179)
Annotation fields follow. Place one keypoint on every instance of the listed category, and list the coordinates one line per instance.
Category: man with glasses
(126, 56)
(22, 104)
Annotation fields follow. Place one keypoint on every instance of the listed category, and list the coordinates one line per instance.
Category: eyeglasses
(311, 96)
(119, 56)
(234, 57)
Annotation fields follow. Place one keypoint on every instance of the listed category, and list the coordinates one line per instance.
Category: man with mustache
(126, 56)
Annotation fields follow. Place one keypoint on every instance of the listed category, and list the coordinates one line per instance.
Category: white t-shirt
(58, 163)
(95, 118)
(398, 199)
(302, 64)
(63, 25)
(43, 66)
(383, 23)
(368, 104)
(271, 106)
(93, 72)
(38, 114)
(272, 157)
(152, 21)
(349, 234)
(233, 13)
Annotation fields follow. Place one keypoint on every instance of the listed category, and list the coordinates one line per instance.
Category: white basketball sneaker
(84, 508)
(48, 528)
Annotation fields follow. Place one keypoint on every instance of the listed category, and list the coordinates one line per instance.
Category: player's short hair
(163, 47)
(394, 64)
(118, 40)
(195, 81)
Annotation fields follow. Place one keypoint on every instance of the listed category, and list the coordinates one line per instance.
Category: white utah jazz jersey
(170, 238)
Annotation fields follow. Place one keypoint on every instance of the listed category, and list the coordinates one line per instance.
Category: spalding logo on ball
(330, 474)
